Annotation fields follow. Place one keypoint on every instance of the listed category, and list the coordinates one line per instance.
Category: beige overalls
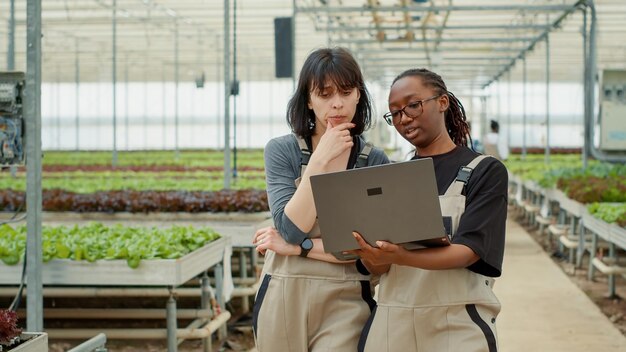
(434, 310)
(309, 305)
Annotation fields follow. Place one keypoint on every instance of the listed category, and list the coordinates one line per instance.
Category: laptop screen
(396, 202)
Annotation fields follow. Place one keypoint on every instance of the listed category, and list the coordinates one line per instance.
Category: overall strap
(361, 160)
(305, 153)
(463, 176)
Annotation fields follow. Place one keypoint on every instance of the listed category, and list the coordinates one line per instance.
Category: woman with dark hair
(309, 300)
(441, 299)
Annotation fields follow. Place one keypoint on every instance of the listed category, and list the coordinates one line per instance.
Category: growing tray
(157, 272)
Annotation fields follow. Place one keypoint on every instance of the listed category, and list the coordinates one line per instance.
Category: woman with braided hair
(441, 299)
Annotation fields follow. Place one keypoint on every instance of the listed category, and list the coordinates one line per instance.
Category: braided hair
(456, 120)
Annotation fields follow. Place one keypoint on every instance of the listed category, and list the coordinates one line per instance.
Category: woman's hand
(453, 256)
(382, 256)
(334, 146)
(269, 238)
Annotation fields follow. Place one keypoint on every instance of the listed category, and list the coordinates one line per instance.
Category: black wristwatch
(306, 245)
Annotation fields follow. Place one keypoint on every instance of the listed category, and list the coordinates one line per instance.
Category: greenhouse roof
(471, 43)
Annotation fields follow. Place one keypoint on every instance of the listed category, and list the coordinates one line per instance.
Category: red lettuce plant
(8, 327)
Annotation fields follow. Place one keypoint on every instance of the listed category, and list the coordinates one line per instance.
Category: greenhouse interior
(146, 204)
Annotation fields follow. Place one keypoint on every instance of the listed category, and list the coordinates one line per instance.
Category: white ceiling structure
(471, 43)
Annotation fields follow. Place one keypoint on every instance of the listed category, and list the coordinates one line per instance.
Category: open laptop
(393, 202)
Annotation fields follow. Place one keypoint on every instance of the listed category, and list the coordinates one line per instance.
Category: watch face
(307, 244)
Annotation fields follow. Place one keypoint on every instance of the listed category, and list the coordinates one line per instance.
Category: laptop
(396, 202)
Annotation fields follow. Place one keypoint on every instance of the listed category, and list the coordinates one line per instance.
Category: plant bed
(609, 212)
(143, 201)
(140, 168)
(30, 342)
(13, 339)
(154, 272)
(116, 255)
(99, 182)
(249, 157)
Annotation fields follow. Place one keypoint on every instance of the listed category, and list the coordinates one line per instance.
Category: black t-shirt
(482, 225)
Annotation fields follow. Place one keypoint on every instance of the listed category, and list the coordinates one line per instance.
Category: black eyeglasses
(413, 109)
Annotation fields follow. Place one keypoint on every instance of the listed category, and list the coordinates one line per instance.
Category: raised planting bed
(152, 272)
(31, 342)
(96, 255)
(247, 201)
(89, 182)
(13, 339)
(191, 158)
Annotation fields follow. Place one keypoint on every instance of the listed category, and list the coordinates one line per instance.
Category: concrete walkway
(542, 309)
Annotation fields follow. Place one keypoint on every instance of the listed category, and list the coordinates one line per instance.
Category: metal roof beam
(442, 49)
(419, 8)
(396, 59)
(555, 24)
(434, 40)
(465, 27)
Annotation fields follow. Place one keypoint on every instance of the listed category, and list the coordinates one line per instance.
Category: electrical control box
(612, 117)
(11, 118)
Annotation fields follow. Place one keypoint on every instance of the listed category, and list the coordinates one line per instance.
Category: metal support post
(499, 112)
(580, 250)
(219, 288)
(524, 110)
(77, 94)
(57, 106)
(591, 68)
(172, 324)
(176, 79)
(612, 255)
(11, 48)
(205, 303)
(227, 94)
(243, 273)
(547, 152)
(585, 156)
(508, 130)
(11, 58)
(126, 114)
(271, 108)
(114, 78)
(32, 115)
(594, 248)
(144, 122)
(163, 108)
(254, 261)
(248, 104)
(218, 116)
(483, 119)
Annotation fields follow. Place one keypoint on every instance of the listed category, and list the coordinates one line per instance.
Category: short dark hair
(339, 66)
(495, 126)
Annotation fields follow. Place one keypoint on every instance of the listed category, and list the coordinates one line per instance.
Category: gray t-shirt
(282, 168)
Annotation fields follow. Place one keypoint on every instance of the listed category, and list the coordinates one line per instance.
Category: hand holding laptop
(397, 203)
(384, 252)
